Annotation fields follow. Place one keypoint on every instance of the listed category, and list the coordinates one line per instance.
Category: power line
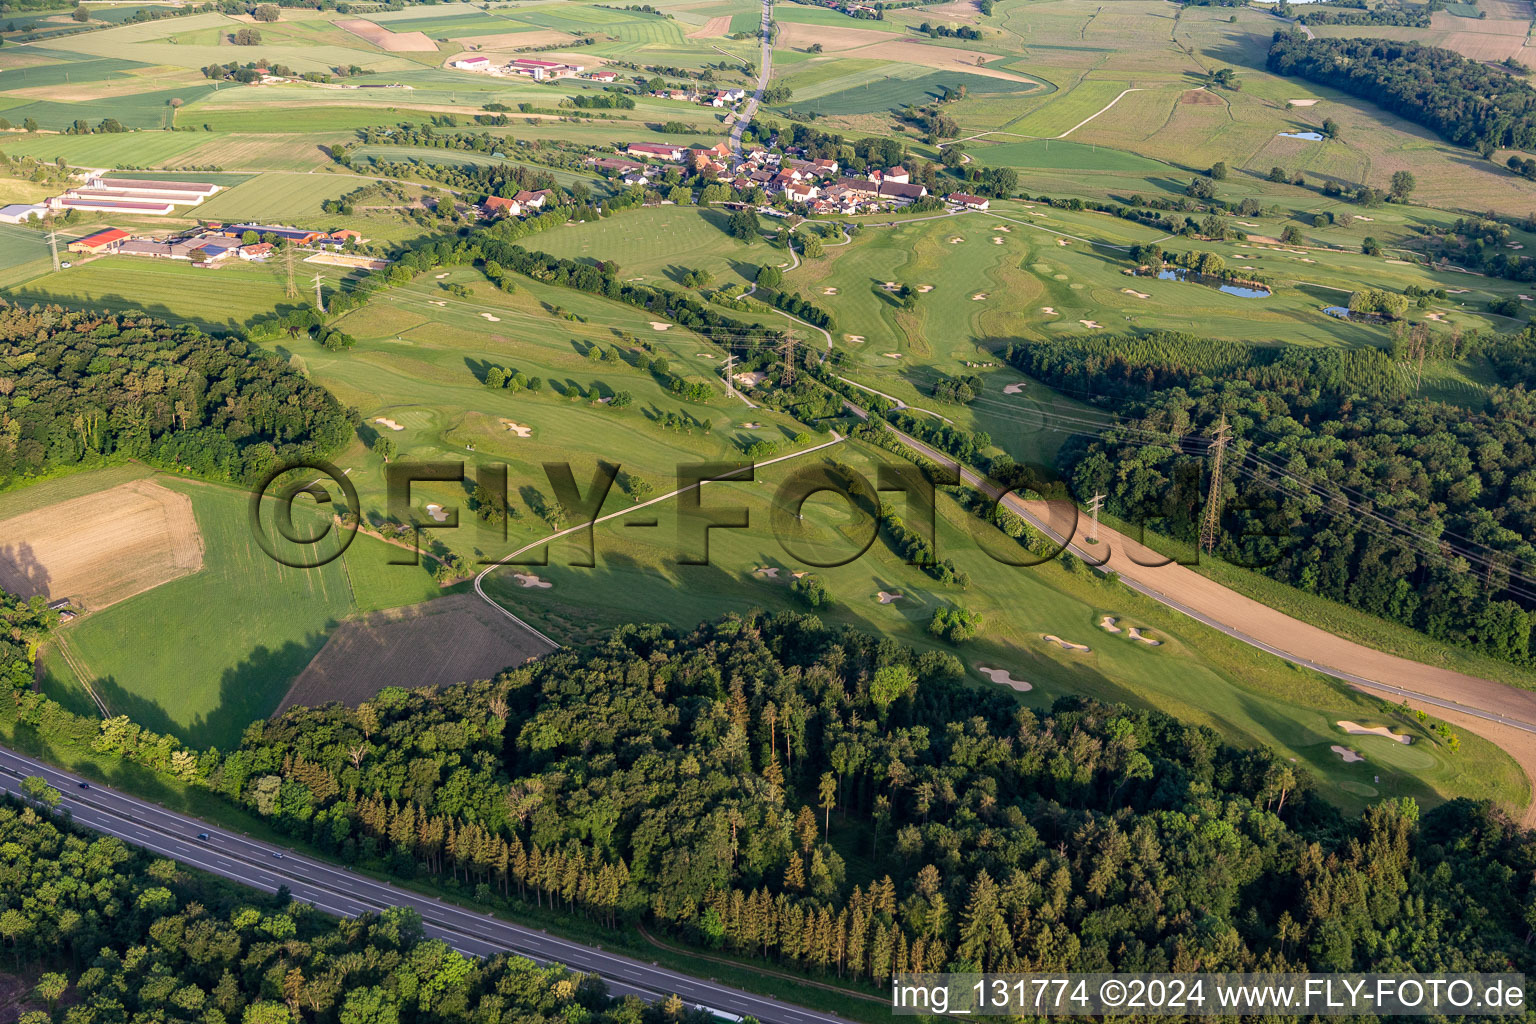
(1212, 523)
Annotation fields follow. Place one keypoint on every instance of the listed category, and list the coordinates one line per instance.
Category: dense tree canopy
(79, 387)
(1469, 102)
(1330, 457)
(836, 803)
(142, 939)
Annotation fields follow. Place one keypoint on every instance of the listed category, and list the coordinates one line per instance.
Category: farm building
(17, 213)
(656, 151)
(256, 251)
(138, 207)
(968, 201)
(900, 193)
(604, 76)
(299, 236)
(473, 64)
(542, 70)
(189, 192)
(106, 240)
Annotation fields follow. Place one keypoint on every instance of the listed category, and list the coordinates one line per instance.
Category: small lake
(1241, 291)
(1309, 136)
(1343, 313)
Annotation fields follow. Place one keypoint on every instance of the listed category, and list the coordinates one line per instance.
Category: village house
(496, 205)
(533, 200)
(968, 201)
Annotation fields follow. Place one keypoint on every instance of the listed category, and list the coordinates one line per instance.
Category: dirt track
(1248, 620)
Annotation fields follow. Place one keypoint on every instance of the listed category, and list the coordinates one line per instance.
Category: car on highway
(85, 785)
(203, 837)
(278, 854)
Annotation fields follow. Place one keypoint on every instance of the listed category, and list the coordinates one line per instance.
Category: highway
(344, 893)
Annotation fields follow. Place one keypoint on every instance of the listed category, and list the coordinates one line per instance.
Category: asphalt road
(344, 893)
(763, 74)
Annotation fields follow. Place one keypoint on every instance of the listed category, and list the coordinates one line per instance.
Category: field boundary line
(82, 673)
(1090, 117)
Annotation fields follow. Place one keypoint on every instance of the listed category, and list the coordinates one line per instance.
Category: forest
(76, 388)
(1467, 102)
(835, 803)
(120, 935)
(1340, 483)
(23, 625)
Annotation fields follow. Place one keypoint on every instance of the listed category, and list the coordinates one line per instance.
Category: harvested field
(102, 548)
(384, 39)
(714, 28)
(1201, 97)
(945, 58)
(449, 640)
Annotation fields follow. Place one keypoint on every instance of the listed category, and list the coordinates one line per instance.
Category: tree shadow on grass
(248, 692)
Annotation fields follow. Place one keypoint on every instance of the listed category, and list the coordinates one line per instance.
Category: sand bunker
(749, 378)
(1135, 634)
(1348, 755)
(1049, 309)
(1107, 623)
(441, 276)
(1132, 291)
(997, 239)
(1065, 644)
(528, 579)
(1013, 389)
(768, 571)
(1001, 675)
(829, 291)
(438, 302)
(1062, 241)
(926, 288)
(855, 338)
(492, 319)
(751, 426)
(1356, 729)
(1092, 325)
(1438, 317)
(657, 325)
(386, 421)
(518, 428)
(979, 297)
(886, 597)
(1005, 230)
(1302, 103)
(438, 513)
(956, 240)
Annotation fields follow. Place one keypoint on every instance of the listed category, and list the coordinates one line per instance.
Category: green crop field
(277, 195)
(228, 297)
(135, 149)
(900, 87)
(73, 72)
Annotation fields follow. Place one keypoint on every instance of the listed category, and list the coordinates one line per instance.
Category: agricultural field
(100, 549)
(247, 626)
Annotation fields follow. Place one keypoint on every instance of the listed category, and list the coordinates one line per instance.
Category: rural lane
(762, 81)
(341, 892)
(1504, 715)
